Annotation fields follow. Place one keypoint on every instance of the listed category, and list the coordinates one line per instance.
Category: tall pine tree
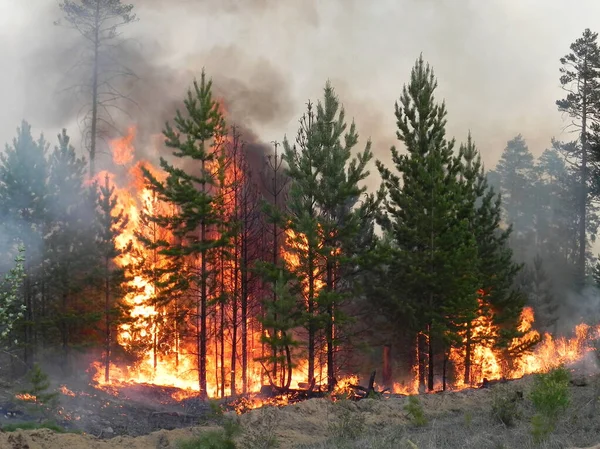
(196, 138)
(580, 78)
(326, 171)
(434, 246)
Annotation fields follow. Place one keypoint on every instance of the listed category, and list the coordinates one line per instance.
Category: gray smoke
(496, 61)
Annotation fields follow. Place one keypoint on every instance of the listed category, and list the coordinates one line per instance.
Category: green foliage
(331, 216)
(214, 439)
(11, 307)
(415, 411)
(505, 405)
(200, 229)
(44, 401)
(32, 425)
(550, 397)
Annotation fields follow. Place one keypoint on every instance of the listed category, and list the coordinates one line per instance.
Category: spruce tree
(433, 243)
(580, 78)
(196, 138)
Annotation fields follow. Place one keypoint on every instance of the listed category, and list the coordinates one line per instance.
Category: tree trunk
(107, 322)
(202, 334)
(430, 359)
(244, 299)
(421, 348)
(467, 380)
(329, 330)
(222, 330)
(311, 310)
(387, 366)
(444, 370)
(583, 193)
(94, 130)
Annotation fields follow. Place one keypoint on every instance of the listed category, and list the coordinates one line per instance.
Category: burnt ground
(129, 410)
(454, 420)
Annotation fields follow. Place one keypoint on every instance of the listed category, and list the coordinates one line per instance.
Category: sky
(497, 62)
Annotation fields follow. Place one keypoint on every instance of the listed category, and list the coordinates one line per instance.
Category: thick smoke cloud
(497, 62)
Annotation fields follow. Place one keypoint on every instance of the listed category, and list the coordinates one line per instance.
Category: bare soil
(461, 419)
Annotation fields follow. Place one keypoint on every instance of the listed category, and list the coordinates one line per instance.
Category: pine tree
(498, 300)
(69, 242)
(23, 192)
(516, 174)
(111, 223)
(276, 184)
(196, 137)
(327, 200)
(98, 22)
(433, 242)
(281, 317)
(580, 78)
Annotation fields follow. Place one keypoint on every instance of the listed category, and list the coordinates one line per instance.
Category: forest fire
(155, 333)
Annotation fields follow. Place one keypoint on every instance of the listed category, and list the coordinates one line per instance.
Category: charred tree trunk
(244, 297)
(236, 265)
(311, 311)
(107, 321)
(202, 334)
(222, 324)
(387, 366)
(467, 380)
(421, 348)
(444, 370)
(584, 177)
(329, 329)
(94, 129)
(430, 357)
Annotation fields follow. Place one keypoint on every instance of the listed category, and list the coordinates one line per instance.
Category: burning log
(361, 392)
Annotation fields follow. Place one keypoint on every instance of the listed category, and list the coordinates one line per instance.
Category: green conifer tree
(580, 78)
(328, 200)
(23, 192)
(433, 243)
(193, 191)
(68, 245)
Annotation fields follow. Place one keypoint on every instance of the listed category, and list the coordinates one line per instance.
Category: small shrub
(505, 405)
(415, 411)
(43, 400)
(32, 425)
(550, 397)
(214, 439)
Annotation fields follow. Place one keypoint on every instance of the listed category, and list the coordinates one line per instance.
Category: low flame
(26, 397)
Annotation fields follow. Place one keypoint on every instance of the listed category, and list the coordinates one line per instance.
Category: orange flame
(122, 148)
